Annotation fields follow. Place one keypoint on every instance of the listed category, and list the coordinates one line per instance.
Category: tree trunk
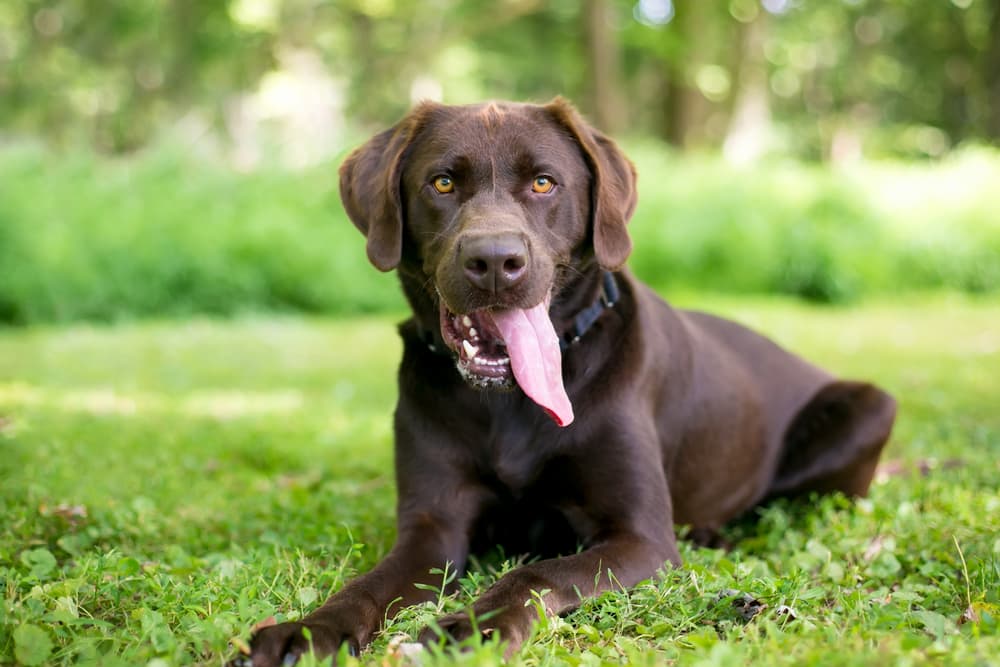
(684, 107)
(749, 133)
(604, 64)
(991, 75)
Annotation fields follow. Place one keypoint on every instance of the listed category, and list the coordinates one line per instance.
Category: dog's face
(493, 206)
(494, 199)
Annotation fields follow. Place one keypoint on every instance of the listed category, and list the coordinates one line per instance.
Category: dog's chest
(511, 441)
(536, 505)
(515, 454)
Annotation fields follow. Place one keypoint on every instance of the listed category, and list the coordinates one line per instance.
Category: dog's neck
(575, 319)
(576, 306)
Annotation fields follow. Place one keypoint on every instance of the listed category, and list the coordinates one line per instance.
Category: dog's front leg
(436, 507)
(621, 561)
(633, 540)
(356, 612)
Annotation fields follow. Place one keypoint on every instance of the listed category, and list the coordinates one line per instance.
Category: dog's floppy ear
(613, 194)
(370, 183)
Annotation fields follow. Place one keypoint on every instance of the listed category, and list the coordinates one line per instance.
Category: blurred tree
(990, 72)
(749, 134)
(113, 69)
(833, 79)
(605, 97)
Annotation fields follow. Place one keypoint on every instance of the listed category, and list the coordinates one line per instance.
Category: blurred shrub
(167, 235)
(164, 234)
(824, 234)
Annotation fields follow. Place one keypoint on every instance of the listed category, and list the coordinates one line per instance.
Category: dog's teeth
(492, 362)
(467, 321)
(470, 349)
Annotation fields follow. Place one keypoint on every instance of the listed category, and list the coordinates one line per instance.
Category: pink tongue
(535, 358)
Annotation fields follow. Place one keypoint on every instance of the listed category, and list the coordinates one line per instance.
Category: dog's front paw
(283, 644)
(511, 628)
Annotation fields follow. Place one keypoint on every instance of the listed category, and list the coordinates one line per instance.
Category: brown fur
(682, 417)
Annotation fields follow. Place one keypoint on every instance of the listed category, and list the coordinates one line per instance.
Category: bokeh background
(168, 158)
(196, 360)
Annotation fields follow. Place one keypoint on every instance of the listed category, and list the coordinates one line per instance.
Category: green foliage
(166, 486)
(163, 235)
(824, 235)
(32, 644)
(114, 71)
(167, 235)
(908, 77)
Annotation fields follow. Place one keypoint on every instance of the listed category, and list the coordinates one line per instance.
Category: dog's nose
(494, 262)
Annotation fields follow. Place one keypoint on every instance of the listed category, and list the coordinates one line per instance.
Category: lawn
(163, 486)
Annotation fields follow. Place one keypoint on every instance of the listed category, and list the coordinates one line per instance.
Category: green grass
(163, 486)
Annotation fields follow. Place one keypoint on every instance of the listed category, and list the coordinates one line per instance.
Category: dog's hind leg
(834, 442)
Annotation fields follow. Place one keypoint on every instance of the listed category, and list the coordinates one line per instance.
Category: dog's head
(493, 206)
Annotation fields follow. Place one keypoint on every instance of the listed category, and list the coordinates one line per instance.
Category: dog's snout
(494, 262)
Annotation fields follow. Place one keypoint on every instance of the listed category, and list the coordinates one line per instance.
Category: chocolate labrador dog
(549, 402)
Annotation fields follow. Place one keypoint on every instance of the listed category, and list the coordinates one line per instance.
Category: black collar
(581, 323)
(585, 318)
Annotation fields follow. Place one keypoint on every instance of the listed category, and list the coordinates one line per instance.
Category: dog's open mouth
(496, 348)
(482, 353)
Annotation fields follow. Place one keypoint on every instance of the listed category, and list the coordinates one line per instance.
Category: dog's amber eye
(444, 184)
(542, 184)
